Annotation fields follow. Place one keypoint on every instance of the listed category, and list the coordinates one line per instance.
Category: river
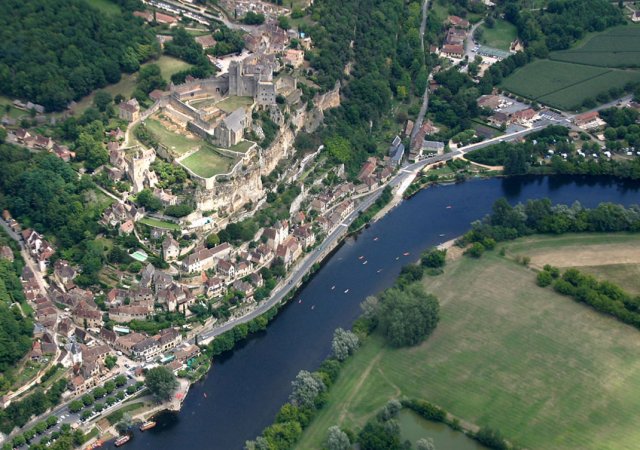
(245, 389)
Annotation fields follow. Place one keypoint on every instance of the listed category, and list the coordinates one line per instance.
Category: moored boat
(147, 425)
(122, 440)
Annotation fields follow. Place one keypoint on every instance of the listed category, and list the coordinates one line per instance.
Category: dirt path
(357, 387)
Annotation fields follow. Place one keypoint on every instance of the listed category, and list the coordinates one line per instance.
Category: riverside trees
(161, 382)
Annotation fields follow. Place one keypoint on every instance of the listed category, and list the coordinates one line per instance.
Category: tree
(544, 279)
(344, 344)
(306, 388)
(3, 135)
(212, 240)
(75, 406)
(125, 423)
(283, 22)
(476, 250)
(252, 18)
(162, 383)
(337, 439)
(51, 421)
(425, 444)
(102, 100)
(434, 258)
(408, 316)
(110, 361)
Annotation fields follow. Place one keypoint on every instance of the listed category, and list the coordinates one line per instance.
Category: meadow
(500, 36)
(547, 372)
(176, 142)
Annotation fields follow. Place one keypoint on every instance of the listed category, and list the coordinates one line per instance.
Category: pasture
(544, 370)
(208, 162)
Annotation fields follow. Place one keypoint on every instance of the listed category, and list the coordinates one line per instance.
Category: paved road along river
(245, 389)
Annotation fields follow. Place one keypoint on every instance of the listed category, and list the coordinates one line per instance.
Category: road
(425, 97)
(469, 44)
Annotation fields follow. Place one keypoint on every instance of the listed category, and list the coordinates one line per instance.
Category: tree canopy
(55, 51)
(161, 382)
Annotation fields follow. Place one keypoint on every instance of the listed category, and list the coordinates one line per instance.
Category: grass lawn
(174, 141)
(615, 47)
(159, 223)
(207, 162)
(500, 36)
(242, 146)
(105, 6)
(230, 104)
(547, 372)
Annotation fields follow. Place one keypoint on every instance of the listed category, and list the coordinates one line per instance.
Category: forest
(44, 193)
(56, 51)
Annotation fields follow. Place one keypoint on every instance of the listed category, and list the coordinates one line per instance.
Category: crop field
(616, 47)
(565, 85)
(207, 162)
(547, 372)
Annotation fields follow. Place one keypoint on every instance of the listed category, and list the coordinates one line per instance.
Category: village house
(500, 118)
(458, 22)
(168, 339)
(489, 101)
(215, 287)
(38, 247)
(226, 269)
(145, 349)
(165, 197)
(125, 343)
(126, 227)
(207, 41)
(305, 235)
(294, 57)
(130, 110)
(204, 259)
(170, 248)
(524, 117)
(244, 288)
(64, 273)
(276, 235)
(83, 316)
(588, 121)
(368, 168)
(396, 151)
(453, 50)
(289, 250)
(127, 313)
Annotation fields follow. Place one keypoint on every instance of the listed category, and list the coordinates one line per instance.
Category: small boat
(375, 238)
(365, 263)
(406, 254)
(442, 235)
(397, 258)
(96, 444)
(449, 206)
(313, 306)
(147, 425)
(122, 440)
(204, 394)
(347, 291)
(361, 257)
(300, 301)
(333, 287)
(379, 270)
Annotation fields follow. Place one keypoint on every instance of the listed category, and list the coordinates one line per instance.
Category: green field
(176, 142)
(230, 104)
(14, 112)
(616, 47)
(547, 372)
(207, 162)
(241, 147)
(105, 6)
(565, 85)
(500, 36)
(159, 223)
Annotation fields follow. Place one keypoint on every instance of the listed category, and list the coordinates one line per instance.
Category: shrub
(544, 279)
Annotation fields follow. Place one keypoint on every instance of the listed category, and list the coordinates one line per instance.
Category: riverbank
(260, 370)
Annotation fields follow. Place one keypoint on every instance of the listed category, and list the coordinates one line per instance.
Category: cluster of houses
(37, 141)
(453, 46)
(504, 113)
(240, 8)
